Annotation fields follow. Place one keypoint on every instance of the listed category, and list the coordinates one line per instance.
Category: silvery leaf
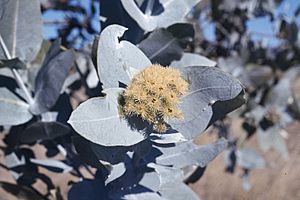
(285, 119)
(12, 64)
(271, 138)
(118, 60)
(257, 113)
(171, 183)
(249, 159)
(164, 45)
(281, 92)
(233, 65)
(192, 173)
(209, 87)
(21, 28)
(49, 116)
(174, 11)
(167, 138)
(13, 110)
(12, 160)
(188, 153)
(69, 81)
(139, 2)
(246, 182)
(51, 77)
(116, 171)
(98, 120)
(44, 131)
(47, 163)
(256, 77)
(191, 59)
(92, 79)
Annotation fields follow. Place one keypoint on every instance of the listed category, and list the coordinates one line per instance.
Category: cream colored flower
(154, 95)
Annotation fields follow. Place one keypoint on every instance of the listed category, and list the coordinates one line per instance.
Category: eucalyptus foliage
(71, 101)
(99, 121)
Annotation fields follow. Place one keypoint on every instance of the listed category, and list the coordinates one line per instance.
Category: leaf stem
(16, 74)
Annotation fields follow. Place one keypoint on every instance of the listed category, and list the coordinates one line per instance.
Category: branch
(16, 74)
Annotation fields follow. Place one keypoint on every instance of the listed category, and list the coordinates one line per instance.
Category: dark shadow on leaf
(135, 122)
(44, 131)
(128, 183)
(222, 108)
(196, 175)
(14, 63)
(92, 152)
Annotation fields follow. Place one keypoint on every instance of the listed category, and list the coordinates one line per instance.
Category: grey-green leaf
(15, 63)
(174, 11)
(164, 45)
(271, 138)
(208, 85)
(249, 159)
(21, 28)
(52, 164)
(191, 59)
(281, 92)
(171, 183)
(118, 60)
(116, 171)
(189, 153)
(13, 110)
(98, 120)
(167, 138)
(50, 78)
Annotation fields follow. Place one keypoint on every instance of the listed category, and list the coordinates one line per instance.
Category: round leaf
(13, 110)
(98, 120)
(208, 85)
(118, 60)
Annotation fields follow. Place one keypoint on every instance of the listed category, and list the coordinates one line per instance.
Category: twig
(16, 74)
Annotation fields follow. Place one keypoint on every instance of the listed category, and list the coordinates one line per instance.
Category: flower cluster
(154, 95)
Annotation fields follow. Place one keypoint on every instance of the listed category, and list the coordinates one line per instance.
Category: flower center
(154, 95)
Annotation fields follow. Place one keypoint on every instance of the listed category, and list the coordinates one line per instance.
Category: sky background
(257, 25)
